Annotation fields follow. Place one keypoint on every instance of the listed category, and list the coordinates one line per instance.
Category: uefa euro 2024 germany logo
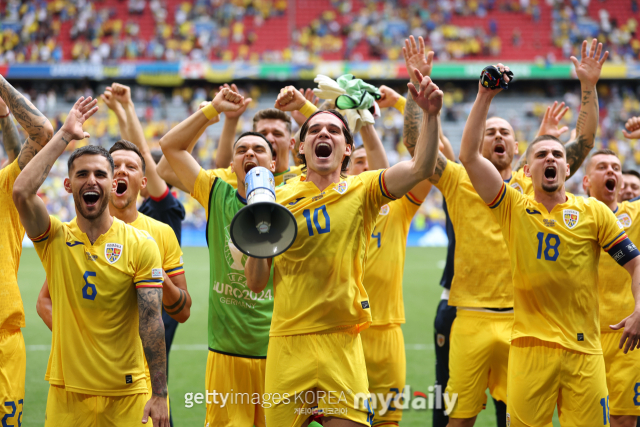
(236, 261)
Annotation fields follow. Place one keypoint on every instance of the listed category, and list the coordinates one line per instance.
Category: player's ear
(143, 183)
(272, 166)
(67, 185)
(347, 151)
(301, 148)
(527, 170)
(568, 170)
(515, 150)
(585, 183)
(292, 143)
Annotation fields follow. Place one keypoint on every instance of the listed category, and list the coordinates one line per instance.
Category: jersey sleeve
(450, 178)
(42, 242)
(612, 236)
(172, 262)
(202, 188)
(411, 204)
(502, 205)
(148, 273)
(8, 176)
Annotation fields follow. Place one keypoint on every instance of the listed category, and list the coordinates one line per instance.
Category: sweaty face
(630, 188)
(499, 144)
(276, 132)
(358, 163)
(547, 166)
(91, 184)
(129, 178)
(325, 146)
(604, 178)
(249, 152)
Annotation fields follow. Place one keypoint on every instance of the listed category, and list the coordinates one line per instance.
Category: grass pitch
(189, 354)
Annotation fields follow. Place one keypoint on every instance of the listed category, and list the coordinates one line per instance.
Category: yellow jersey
(385, 260)
(614, 282)
(11, 235)
(170, 252)
(476, 229)
(318, 281)
(95, 344)
(554, 262)
(229, 176)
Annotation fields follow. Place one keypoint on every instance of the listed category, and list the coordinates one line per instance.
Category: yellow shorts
(386, 369)
(13, 367)
(478, 359)
(65, 408)
(623, 375)
(543, 374)
(321, 374)
(238, 384)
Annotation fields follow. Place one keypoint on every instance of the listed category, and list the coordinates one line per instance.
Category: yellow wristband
(399, 105)
(308, 109)
(209, 111)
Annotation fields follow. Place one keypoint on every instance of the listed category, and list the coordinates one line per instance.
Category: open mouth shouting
(91, 198)
(249, 165)
(550, 173)
(323, 150)
(610, 185)
(500, 149)
(121, 189)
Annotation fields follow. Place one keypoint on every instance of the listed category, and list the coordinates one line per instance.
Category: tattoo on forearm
(32, 120)
(29, 149)
(179, 305)
(10, 137)
(578, 149)
(65, 140)
(441, 165)
(152, 336)
(412, 120)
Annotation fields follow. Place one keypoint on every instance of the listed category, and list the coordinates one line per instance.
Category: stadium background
(176, 53)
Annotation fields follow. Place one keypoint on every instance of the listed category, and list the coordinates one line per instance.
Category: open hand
(389, 97)
(551, 120)
(290, 99)
(80, 113)
(156, 408)
(237, 113)
(415, 59)
(631, 334)
(590, 66)
(632, 128)
(227, 100)
(430, 97)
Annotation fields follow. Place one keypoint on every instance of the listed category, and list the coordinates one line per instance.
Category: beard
(99, 210)
(125, 203)
(551, 188)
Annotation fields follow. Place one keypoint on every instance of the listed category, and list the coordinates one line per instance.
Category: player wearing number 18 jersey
(321, 304)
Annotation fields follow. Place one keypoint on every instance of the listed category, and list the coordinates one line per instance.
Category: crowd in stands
(160, 110)
(107, 31)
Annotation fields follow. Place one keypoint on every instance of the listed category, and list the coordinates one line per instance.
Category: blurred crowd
(161, 109)
(105, 31)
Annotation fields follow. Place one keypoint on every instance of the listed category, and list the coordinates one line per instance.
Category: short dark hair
(272, 113)
(540, 139)
(123, 144)
(631, 172)
(345, 131)
(254, 134)
(90, 150)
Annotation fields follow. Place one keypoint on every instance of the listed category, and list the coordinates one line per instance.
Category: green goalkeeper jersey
(239, 319)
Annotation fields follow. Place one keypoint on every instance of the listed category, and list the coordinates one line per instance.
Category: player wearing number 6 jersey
(603, 181)
(554, 241)
(105, 280)
(321, 304)
(238, 320)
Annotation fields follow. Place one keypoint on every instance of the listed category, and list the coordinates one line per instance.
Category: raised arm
(32, 210)
(403, 176)
(415, 59)
(376, 156)
(32, 121)
(111, 102)
(151, 329)
(10, 135)
(224, 153)
(176, 142)
(164, 168)
(588, 70)
(632, 128)
(312, 98)
(484, 176)
(175, 297)
(156, 185)
(257, 271)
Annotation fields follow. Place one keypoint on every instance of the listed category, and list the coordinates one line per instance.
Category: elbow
(464, 157)
(19, 194)
(183, 316)
(44, 135)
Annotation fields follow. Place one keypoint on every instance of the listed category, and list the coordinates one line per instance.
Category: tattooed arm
(588, 70)
(10, 135)
(32, 121)
(32, 210)
(152, 337)
(175, 297)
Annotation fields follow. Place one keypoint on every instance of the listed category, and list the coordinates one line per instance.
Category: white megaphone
(263, 228)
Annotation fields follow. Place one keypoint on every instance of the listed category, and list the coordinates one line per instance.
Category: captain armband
(624, 251)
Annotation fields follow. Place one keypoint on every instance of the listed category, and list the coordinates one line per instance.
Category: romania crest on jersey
(570, 217)
(112, 252)
(625, 219)
(341, 187)
(384, 210)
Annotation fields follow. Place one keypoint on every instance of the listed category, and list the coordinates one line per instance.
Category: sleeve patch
(156, 273)
(498, 199)
(624, 251)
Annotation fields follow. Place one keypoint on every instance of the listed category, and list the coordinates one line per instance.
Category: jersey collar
(242, 199)
(73, 225)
